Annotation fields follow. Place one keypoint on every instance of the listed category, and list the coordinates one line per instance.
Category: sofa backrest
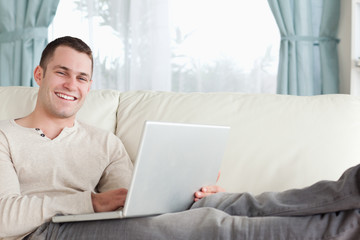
(100, 107)
(16, 102)
(276, 141)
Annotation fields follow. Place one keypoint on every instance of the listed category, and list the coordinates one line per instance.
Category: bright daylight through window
(176, 45)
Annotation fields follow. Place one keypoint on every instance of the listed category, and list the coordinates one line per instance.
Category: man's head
(64, 77)
(74, 43)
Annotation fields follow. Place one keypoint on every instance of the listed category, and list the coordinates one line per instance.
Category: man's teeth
(65, 96)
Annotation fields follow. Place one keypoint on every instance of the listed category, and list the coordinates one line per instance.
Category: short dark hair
(72, 42)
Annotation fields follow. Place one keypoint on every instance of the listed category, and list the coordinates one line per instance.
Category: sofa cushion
(16, 102)
(276, 141)
(99, 108)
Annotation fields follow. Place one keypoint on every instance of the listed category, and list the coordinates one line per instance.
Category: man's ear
(38, 74)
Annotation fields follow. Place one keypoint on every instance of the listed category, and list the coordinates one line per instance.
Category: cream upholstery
(99, 109)
(276, 142)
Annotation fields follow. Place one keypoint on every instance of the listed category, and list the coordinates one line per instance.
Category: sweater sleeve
(21, 214)
(119, 171)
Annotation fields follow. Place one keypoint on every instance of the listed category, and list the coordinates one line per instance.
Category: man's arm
(115, 179)
(20, 213)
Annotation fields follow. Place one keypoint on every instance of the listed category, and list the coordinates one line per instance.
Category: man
(41, 154)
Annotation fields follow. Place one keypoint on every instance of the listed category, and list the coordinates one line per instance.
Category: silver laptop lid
(173, 162)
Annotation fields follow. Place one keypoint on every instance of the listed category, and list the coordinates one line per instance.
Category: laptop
(174, 161)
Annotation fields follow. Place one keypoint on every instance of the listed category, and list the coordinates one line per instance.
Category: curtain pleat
(308, 61)
(23, 36)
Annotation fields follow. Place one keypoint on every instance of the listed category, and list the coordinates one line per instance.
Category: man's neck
(50, 126)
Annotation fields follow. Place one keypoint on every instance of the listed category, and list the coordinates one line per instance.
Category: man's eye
(83, 79)
(61, 73)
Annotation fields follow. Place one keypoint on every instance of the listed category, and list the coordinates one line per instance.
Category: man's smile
(66, 97)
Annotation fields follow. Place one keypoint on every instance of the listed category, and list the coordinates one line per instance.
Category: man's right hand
(109, 201)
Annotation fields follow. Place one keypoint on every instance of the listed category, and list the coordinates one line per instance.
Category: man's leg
(325, 210)
(210, 223)
(322, 197)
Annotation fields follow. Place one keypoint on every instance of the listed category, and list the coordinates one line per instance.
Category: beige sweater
(40, 177)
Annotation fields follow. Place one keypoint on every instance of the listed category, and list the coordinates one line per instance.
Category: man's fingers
(212, 189)
(208, 190)
(202, 194)
(108, 201)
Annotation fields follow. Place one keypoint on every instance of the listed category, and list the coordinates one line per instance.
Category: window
(176, 45)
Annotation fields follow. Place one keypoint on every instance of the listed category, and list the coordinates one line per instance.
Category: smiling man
(64, 79)
(42, 173)
(42, 154)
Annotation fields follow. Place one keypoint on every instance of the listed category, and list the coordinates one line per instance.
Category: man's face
(65, 84)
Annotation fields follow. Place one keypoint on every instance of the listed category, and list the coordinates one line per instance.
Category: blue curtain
(23, 36)
(308, 61)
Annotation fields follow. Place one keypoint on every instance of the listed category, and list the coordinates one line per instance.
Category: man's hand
(109, 201)
(208, 190)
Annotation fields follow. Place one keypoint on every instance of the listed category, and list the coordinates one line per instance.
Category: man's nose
(70, 82)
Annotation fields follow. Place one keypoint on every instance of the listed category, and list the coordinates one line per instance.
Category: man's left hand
(206, 191)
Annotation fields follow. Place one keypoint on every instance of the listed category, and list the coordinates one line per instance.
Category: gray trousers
(325, 210)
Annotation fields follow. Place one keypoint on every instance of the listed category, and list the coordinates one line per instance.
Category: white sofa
(276, 142)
